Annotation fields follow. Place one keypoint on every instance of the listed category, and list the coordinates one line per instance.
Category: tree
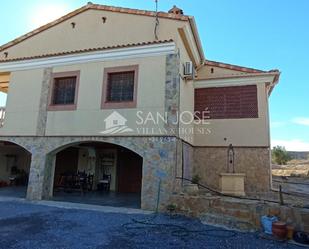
(280, 155)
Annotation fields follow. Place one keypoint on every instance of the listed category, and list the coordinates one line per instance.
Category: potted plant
(171, 208)
(196, 179)
(192, 188)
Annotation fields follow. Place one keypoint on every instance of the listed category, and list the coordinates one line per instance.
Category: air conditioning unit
(188, 69)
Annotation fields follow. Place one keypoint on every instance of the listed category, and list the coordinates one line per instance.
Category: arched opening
(15, 164)
(98, 173)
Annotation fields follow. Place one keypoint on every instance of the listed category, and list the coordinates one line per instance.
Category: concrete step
(227, 221)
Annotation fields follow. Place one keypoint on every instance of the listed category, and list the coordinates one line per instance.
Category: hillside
(300, 155)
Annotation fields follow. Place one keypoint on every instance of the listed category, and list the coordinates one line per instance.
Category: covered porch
(98, 173)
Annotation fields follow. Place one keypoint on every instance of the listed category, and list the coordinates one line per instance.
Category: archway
(15, 164)
(97, 173)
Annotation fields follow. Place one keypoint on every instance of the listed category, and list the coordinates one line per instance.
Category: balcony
(2, 115)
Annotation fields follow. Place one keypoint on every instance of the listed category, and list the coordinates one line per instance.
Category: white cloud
(301, 121)
(277, 124)
(291, 145)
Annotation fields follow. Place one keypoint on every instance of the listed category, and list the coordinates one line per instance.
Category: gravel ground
(26, 225)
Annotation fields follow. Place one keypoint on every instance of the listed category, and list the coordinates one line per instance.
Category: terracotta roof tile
(139, 12)
(86, 50)
(95, 7)
(237, 68)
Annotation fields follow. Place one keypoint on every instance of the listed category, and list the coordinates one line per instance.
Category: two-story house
(126, 96)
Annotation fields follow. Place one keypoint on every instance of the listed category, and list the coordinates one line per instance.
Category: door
(129, 172)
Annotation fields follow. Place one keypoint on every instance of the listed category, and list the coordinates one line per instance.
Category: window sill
(118, 105)
(61, 107)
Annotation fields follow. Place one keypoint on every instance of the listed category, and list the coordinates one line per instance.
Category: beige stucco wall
(239, 132)
(25, 91)
(205, 72)
(88, 119)
(91, 32)
(23, 103)
(186, 100)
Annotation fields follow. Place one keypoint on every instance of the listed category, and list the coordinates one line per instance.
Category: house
(182, 110)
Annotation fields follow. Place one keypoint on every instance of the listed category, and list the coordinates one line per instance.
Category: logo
(115, 123)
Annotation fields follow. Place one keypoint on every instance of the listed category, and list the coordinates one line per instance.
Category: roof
(95, 7)
(246, 72)
(237, 68)
(87, 50)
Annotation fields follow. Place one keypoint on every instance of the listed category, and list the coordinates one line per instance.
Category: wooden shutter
(227, 102)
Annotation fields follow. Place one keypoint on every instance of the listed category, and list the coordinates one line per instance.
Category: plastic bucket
(267, 222)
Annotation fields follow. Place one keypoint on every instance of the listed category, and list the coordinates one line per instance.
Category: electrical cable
(174, 229)
(233, 196)
(157, 22)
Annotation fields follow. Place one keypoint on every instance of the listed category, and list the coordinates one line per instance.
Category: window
(227, 102)
(64, 91)
(120, 87)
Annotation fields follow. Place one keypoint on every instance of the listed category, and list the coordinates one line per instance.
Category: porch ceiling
(4, 82)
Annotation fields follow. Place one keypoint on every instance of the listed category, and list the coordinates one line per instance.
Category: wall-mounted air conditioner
(188, 70)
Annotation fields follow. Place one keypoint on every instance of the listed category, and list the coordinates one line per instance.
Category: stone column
(49, 173)
(158, 173)
(36, 176)
(172, 93)
(42, 115)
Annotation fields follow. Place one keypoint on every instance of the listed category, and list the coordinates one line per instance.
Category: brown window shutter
(227, 102)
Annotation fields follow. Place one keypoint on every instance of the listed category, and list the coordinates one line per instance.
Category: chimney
(175, 10)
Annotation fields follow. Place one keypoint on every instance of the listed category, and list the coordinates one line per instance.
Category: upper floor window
(232, 102)
(120, 87)
(64, 91)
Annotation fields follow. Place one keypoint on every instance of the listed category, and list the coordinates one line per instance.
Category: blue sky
(261, 34)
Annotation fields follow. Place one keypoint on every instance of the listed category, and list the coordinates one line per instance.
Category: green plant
(280, 155)
(171, 207)
(196, 179)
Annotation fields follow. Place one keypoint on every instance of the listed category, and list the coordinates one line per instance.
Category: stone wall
(237, 213)
(172, 93)
(159, 162)
(209, 162)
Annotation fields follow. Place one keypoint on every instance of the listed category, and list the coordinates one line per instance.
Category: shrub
(280, 155)
(196, 179)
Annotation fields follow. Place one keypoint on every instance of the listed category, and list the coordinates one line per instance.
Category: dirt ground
(293, 177)
(293, 168)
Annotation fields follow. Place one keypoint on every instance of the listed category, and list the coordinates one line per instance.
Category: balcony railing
(2, 115)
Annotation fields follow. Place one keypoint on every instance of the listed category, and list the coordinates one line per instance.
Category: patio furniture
(73, 182)
(105, 183)
(90, 182)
